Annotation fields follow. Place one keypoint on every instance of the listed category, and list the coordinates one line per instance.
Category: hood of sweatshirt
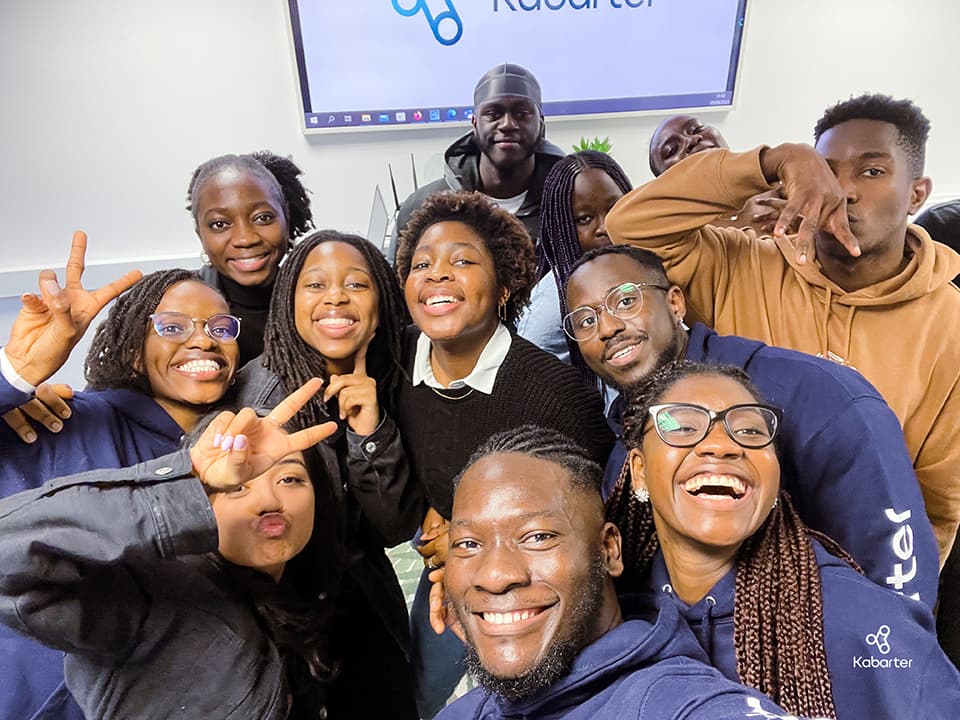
(633, 645)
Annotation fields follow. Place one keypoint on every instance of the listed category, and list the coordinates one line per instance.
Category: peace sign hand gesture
(356, 395)
(49, 326)
(237, 447)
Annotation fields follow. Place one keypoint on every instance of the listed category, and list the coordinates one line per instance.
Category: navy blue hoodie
(882, 651)
(842, 458)
(108, 429)
(637, 670)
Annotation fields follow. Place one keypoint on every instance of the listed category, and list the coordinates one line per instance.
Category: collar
(484, 373)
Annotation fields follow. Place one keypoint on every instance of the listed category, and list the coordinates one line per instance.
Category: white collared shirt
(484, 373)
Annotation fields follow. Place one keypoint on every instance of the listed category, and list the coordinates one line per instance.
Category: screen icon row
(386, 118)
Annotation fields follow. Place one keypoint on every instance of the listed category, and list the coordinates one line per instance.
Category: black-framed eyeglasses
(177, 326)
(623, 301)
(749, 425)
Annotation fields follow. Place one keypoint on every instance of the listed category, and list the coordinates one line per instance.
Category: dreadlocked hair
(544, 444)
(559, 247)
(280, 173)
(505, 237)
(115, 358)
(778, 602)
(288, 355)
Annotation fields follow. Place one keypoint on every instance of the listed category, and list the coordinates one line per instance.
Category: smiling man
(843, 458)
(505, 155)
(530, 577)
(857, 284)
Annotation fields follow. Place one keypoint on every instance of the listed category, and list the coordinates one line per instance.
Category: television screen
(366, 64)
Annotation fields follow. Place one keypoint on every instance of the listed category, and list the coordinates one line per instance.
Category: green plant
(595, 144)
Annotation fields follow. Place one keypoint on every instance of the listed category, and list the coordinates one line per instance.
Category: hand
(50, 325)
(813, 194)
(237, 447)
(761, 212)
(434, 540)
(47, 408)
(442, 615)
(356, 395)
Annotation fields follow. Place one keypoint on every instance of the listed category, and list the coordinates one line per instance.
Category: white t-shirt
(511, 205)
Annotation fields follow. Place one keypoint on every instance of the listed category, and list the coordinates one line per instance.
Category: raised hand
(356, 395)
(48, 408)
(237, 447)
(442, 615)
(50, 324)
(814, 198)
(434, 540)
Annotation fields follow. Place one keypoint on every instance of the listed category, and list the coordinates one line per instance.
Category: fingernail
(216, 439)
(65, 414)
(227, 442)
(240, 442)
(31, 437)
(56, 426)
(51, 286)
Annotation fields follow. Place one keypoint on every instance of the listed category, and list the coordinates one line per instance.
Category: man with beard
(842, 453)
(530, 580)
(857, 284)
(504, 156)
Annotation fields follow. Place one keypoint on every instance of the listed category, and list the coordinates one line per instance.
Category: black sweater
(532, 386)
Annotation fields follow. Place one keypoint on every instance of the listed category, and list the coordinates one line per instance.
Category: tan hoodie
(902, 334)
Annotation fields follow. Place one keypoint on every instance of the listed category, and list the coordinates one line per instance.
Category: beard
(670, 353)
(559, 655)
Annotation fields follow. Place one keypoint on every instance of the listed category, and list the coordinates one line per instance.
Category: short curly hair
(505, 237)
(912, 125)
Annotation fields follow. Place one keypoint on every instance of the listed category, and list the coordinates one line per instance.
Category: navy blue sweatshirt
(637, 670)
(108, 429)
(843, 458)
(882, 651)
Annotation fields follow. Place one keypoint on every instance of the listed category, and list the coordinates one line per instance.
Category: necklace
(452, 397)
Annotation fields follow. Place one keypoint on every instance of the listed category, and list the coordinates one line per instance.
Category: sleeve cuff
(12, 376)
(367, 447)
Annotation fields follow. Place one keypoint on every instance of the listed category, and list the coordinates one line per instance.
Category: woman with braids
(467, 267)
(578, 192)
(774, 604)
(185, 586)
(337, 314)
(247, 211)
(165, 354)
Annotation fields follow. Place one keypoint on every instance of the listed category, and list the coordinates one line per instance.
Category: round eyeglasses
(750, 425)
(623, 301)
(178, 327)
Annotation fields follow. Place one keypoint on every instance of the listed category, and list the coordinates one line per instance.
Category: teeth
(440, 299)
(199, 366)
(248, 260)
(695, 484)
(621, 353)
(509, 618)
(336, 321)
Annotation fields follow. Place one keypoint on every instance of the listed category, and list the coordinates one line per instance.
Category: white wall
(108, 105)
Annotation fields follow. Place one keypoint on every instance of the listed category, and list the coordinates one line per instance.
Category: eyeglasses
(749, 425)
(178, 327)
(623, 302)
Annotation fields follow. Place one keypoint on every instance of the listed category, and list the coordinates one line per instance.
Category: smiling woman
(148, 384)
(775, 605)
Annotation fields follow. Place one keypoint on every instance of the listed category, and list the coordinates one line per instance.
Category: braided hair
(115, 359)
(778, 601)
(559, 247)
(294, 361)
(280, 173)
(544, 444)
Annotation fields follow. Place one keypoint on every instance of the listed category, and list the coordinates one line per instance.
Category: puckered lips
(515, 619)
(336, 324)
(272, 525)
(440, 300)
(202, 367)
(250, 262)
(717, 485)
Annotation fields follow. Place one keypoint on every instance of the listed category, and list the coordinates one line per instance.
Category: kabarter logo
(446, 26)
(879, 639)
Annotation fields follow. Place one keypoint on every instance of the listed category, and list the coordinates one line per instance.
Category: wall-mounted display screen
(366, 64)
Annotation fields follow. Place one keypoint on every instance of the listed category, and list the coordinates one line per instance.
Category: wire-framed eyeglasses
(623, 301)
(749, 425)
(178, 327)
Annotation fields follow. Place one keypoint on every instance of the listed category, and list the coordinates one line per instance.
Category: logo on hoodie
(880, 640)
(447, 27)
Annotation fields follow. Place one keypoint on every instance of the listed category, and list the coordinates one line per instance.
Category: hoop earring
(642, 494)
(204, 258)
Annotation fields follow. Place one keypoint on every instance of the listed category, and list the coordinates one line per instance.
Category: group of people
(658, 450)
